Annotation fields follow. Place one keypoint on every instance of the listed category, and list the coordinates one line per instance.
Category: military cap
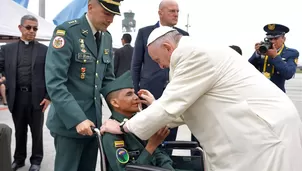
(275, 30)
(122, 82)
(159, 32)
(111, 6)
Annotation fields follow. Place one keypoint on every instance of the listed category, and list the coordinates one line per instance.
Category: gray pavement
(294, 91)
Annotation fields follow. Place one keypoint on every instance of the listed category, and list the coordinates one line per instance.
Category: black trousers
(5, 143)
(24, 115)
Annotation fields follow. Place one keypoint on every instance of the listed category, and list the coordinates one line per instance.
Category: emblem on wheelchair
(122, 155)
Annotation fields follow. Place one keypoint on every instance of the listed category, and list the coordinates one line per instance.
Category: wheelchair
(193, 162)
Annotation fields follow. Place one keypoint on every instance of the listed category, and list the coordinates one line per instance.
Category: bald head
(166, 3)
(168, 12)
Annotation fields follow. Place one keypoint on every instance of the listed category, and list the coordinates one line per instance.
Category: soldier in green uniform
(78, 65)
(127, 148)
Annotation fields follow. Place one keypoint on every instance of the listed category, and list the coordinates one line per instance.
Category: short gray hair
(28, 17)
(171, 37)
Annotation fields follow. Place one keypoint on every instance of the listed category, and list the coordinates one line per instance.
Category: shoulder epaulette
(70, 23)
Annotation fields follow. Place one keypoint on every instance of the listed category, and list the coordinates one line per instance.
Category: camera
(265, 46)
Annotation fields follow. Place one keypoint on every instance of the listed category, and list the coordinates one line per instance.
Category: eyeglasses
(35, 28)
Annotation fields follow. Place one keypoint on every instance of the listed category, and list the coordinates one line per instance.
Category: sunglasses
(35, 28)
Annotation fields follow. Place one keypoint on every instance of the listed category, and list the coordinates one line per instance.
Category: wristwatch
(122, 125)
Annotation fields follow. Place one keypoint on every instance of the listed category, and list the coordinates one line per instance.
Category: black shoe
(34, 167)
(16, 166)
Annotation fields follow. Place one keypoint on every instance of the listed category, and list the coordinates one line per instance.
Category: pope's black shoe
(16, 166)
(34, 167)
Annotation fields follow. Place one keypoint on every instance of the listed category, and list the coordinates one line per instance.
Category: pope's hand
(111, 126)
(147, 96)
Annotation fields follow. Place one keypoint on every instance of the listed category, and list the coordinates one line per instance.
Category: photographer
(276, 61)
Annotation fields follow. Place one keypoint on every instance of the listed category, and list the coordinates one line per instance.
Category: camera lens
(263, 49)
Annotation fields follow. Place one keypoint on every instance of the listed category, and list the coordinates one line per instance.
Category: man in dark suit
(146, 73)
(23, 64)
(123, 56)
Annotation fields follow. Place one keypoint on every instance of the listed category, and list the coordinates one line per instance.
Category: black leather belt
(24, 88)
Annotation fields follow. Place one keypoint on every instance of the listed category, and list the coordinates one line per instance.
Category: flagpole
(42, 8)
(188, 25)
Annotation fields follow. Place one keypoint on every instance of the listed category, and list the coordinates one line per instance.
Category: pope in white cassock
(241, 119)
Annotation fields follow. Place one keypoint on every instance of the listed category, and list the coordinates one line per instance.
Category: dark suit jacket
(122, 60)
(8, 65)
(146, 73)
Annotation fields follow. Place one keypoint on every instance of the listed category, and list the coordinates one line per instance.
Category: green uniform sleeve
(57, 64)
(110, 153)
(163, 160)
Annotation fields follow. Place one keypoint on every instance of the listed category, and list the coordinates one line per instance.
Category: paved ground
(294, 91)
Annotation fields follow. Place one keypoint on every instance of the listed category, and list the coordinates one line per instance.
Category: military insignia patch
(58, 42)
(106, 51)
(271, 26)
(122, 155)
(61, 32)
(119, 144)
(71, 22)
(84, 31)
(296, 61)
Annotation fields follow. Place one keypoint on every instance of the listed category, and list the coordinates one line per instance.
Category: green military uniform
(75, 72)
(127, 148)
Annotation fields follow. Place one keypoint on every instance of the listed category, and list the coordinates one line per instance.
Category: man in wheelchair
(121, 150)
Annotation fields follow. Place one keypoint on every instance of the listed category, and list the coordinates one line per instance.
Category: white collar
(160, 25)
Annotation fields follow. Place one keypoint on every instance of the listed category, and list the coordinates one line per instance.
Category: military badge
(60, 32)
(271, 26)
(106, 51)
(119, 144)
(84, 31)
(82, 46)
(296, 61)
(82, 76)
(81, 41)
(83, 69)
(267, 75)
(58, 42)
(122, 155)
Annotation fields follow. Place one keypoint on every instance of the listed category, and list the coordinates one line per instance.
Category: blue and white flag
(73, 10)
(23, 3)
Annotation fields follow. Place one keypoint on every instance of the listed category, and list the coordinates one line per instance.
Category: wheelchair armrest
(131, 167)
(179, 144)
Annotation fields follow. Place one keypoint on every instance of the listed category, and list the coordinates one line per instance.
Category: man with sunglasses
(78, 64)
(23, 63)
(279, 62)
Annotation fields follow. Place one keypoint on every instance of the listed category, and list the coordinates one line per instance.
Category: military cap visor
(122, 82)
(111, 6)
(275, 30)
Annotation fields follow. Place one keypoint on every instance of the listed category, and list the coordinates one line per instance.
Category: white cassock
(242, 120)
